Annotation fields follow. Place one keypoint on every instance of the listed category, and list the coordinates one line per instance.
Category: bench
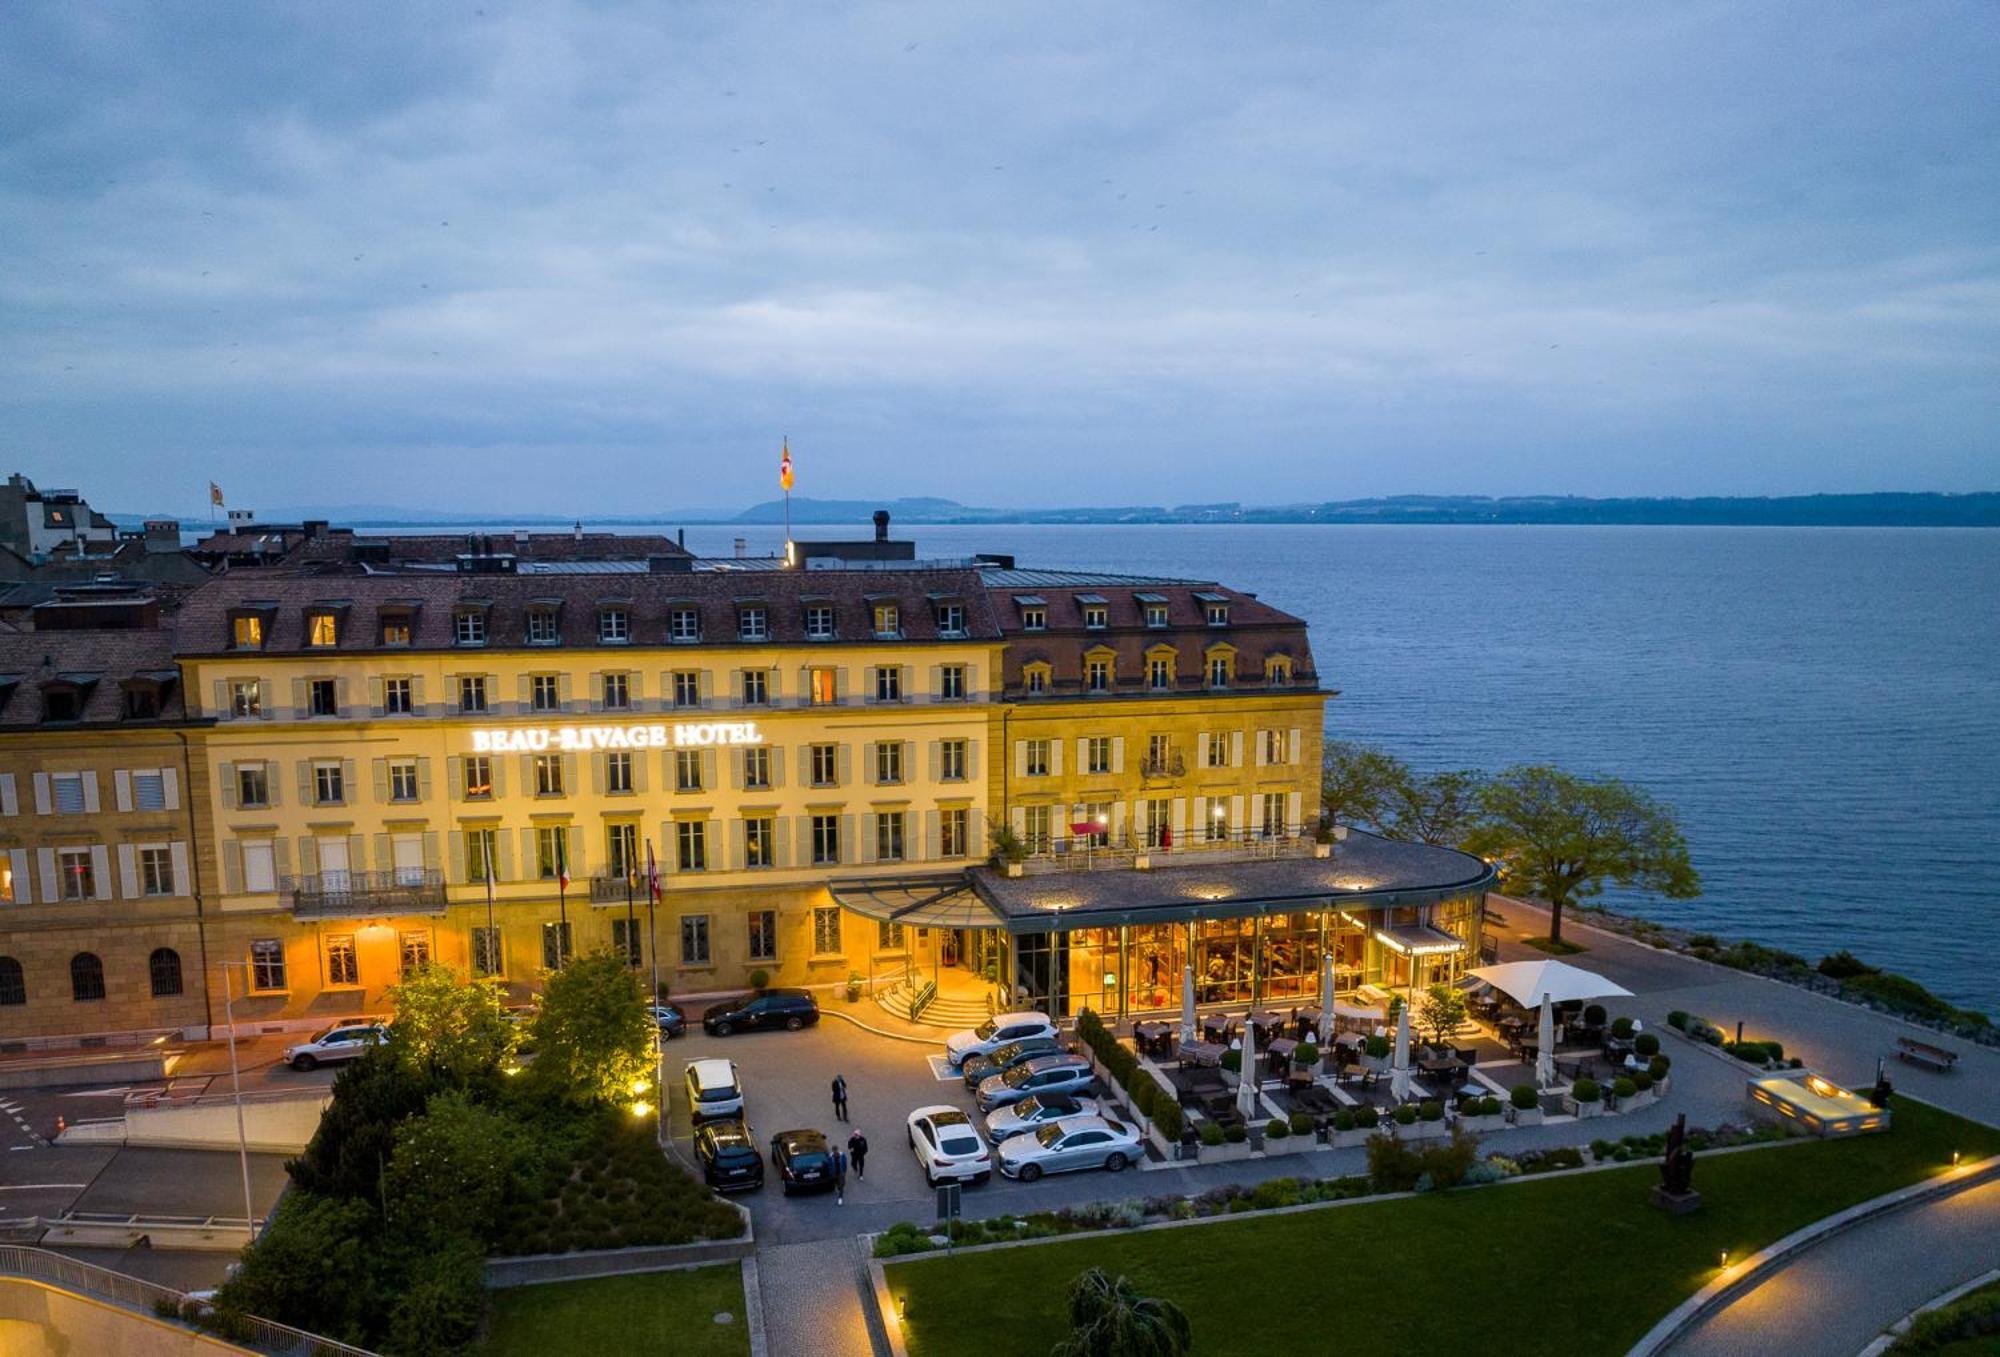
(1913, 1052)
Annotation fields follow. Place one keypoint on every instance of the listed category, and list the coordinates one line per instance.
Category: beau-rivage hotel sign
(573, 739)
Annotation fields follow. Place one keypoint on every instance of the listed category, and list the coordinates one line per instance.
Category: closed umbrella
(1326, 1000)
(1187, 1005)
(1399, 1071)
(1545, 1049)
(1246, 1091)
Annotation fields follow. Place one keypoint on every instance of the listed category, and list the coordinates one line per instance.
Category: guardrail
(922, 999)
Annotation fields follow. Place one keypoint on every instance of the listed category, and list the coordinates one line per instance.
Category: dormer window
(683, 624)
(246, 631)
(142, 700)
(819, 622)
(1097, 675)
(1096, 612)
(1155, 606)
(62, 702)
(1214, 607)
(322, 630)
(951, 619)
(468, 627)
(1219, 670)
(398, 626)
(1278, 671)
(888, 621)
(1035, 677)
(614, 626)
(1160, 673)
(541, 626)
(753, 623)
(1034, 612)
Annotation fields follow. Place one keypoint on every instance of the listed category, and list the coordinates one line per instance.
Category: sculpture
(1677, 1169)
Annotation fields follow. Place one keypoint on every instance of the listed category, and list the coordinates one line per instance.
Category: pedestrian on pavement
(840, 1176)
(840, 1097)
(857, 1150)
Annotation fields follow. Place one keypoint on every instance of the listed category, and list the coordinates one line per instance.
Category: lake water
(1818, 704)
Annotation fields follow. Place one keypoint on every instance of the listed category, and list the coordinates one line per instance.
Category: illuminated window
(760, 836)
(342, 966)
(247, 633)
(954, 832)
(888, 620)
(822, 687)
(246, 697)
(396, 629)
(322, 629)
(478, 777)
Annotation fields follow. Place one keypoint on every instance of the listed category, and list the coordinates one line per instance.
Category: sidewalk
(812, 1300)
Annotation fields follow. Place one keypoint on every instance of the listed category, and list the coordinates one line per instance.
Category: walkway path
(812, 1300)
(1837, 1296)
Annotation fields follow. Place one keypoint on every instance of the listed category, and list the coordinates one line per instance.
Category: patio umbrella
(1399, 1072)
(1187, 1005)
(1545, 1047)
(1326, 1000)
(1535, 982)
(1246, 1090)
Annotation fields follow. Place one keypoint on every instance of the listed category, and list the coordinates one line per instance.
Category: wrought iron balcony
(610, 890)
(1172, 766)
(357, 895)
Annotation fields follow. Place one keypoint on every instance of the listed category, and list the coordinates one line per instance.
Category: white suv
(996, 1032)
(713, 1089)
(345, 1041)
(948, 1145)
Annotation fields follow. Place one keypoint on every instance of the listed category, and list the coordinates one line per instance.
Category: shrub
(1211, 1133)
(1168, 1119)
(1302, 1123)
(1489, 1106)
(1277, 1128)
(1141, 1092)
(1376, 1046)
(1367, 1117)
(1678, 1019)
(1276, 1192)
(1431, 1111)
(1642, 1081)
(1236, 1133)
(1405, 1114)
(1623, 1088)
(1525, 1097)
(1593, 1015)
(1233, 1061)
(1393, 1163)
(1844, 965)
(1776, 1049)
(1646, 1044)
(1306, 1056)
(1468, 1105)
(1707, 940)
(1343, 1120)
(1088, 1025)
(1586, 1091)
(1659, 1065)
(1621, 1028)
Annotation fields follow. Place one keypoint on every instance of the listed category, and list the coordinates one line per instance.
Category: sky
(582, 258)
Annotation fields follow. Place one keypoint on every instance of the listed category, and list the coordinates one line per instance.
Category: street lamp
(236, 1084)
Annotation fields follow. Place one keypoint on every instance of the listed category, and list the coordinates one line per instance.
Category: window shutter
(343, 696)
(430, 850)
(805, 765)
(562, 692)
(933, 836)
(308, 855)
(840, 685)
(417, 695)
(1019, 816)
(847, 838)
(357, 854)
(305, 782)
(1293, 823)
(1177, 817)
(975, 838)
(90, 805)
(909, 682)
(933, 761)
(527, 774)
(909, 760)
(781, 841)
(273, 779)
(972, 760)
(121, 790)
(50, 891)
(42, 803)
(220, 708)
(1292, 743)
(640, 763)
(531, 860)
(347, 781)
(1235, 749)
(805, 845)
(375, 694)
(935, 689)
(503, 855)
(1237, 824)
(385, 853)
(1055, 758)
(128, 871)
(266, 711)
(844, 765)
(1262, 736)
(1020, 758)
(577, 869)
(281, 858)
(597, 690)
(499, 767)
(381, 772)
(177, 854)
(739, 851)
(458, 872)
(10, 804)
(454, 772)
(100, 870)
(232, 867)
(170, 787)
(777, 762)
(298, 698)
(1201, 750)
(1117, 753)
(870, 764)
(1202, 818)
(708, 777)
(1117, 823)
(597, 774)
(869, 824)
(1082, 754)
(526, 686)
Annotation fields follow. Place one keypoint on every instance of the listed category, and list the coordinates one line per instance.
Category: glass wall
(1289, 970)
(1156, 958)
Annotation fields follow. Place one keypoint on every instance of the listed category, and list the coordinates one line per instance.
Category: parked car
(670, 1020)
(996, 1032)
(342, 1041)
(727, 1150)
(1036, 1111)
(948, 1146)
(790, 1009)
(1043, 1074)
(977, 1067)
(1072, 1143)
(713, 1089)
(804, 1161)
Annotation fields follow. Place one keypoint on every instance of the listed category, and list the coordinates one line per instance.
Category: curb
(881, 1032)
(753, 1307)
(882, 1302)
(1756, 1269)
(1902, 1326)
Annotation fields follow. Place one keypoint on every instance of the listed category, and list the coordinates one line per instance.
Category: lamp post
(236, 1084)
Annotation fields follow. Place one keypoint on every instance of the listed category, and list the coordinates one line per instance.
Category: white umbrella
(1326, 1001)
(1187, 1006)
(1399, 1071)
(1545, 1048)
(1246, 1090)
(1535, 982)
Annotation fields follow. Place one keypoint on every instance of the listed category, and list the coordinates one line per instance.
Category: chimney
(742, 547)
(314, 526)
(681, 539)
(881, 525)
(163, 534)
(579, 530)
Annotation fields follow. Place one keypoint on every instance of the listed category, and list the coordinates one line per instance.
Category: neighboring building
(33, 523)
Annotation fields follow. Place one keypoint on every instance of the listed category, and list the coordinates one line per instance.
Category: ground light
(641, 1108)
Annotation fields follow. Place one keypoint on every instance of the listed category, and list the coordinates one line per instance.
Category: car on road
(804, 1161)
(1004, 1058)
(713, 1089)
(342, 1041)
(948, 1146)
(727, 1151)
(996, 1032)
(1043, 1074)
(1035, 1111)
(1072, 1143)
(670, 1020)
(790, 1009)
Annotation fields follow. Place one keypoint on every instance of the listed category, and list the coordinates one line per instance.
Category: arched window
(13, 985)
(86, 977)
(165, 965)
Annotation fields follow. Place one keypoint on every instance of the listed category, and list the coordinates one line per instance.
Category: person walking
(857, 1150)
(840, 1097)
(839, 1176)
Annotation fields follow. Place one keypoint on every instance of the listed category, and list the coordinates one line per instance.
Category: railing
(1084, 852)
(1172, 766)
(133, 1293)
(346, 895)
(922, 999)
(615, 890)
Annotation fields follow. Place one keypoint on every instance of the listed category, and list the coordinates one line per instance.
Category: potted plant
(1009, 852)
(1375, 1053)
(1646, 1045)
(1405, 1114)
(854, 987)
(1306, 1056)
(1584, 1099)
(760, 979)
(1593, 1015)
(1658, 1067)
(1525, 1105)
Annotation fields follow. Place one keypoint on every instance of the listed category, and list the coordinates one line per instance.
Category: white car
(1030, 1113)
(713, 1089)
(1072, 1143)
(994, 1033)
(948, 1146)
(344, 1041)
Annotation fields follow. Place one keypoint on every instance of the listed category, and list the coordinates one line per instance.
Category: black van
(790, 1009)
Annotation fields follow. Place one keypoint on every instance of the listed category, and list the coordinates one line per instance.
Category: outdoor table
(1151, 1029)
(1446, 1065)
(1201, 1053)
(1283, 1046)
(1268, 1019)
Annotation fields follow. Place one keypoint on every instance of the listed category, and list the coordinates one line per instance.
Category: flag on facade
(562, 858)
(652, 873)
(215, 494)
(785, 468)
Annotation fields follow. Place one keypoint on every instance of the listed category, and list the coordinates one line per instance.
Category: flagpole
(652, 930)
(492, 939)
(562, 896)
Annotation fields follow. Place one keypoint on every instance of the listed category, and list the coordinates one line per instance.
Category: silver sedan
(1072, 1143)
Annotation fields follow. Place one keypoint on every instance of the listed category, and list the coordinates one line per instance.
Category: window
(541, 626)
(618, 773)
(403, 780)
(1218, 614)
(684, 624)
(951, 760)
(86, 977)
(889, 761)
(396, 696)
(1037, 676)
(156, 871)
(1036, 758)
(246, 697)
(163, 967)
(763, 926)
(486, 951)
(247, 633)
(342, 966)
(1156, 615)
(329, 783)
(78, 875)
(889, 683)
(62, 702)
(627, 940)
(1159, 820)
(1097, 675)
(260, 867)
(760, 836)
(322, 697)
(954, 832)
(889, 836)
(691, 845)
(694, 939)
(1218, 671)
(482, 855)
(1097, 754)
(1278, 672)
(756, 687)
(825, 839)
(951, 619)
(551, 851)
(687, 688)
(890, 936)
(395, 629)
(1095, 616)
(67, 791)
(617, 692)
(888, 620)
(1218, 749)
(822, 687)
(1273, 826)
(621, 851)
(614, 626)
(267, 964)
(1097, 823)
(545, 692)
(478, 777)
(826, 930)
(253, 785)
(13, 984)
(557, 945)
(1159, 673)
(819, 622)
(1218, 821)
(1038, 828)
(322, 630)
(753, 624)
(1034, 619)
(756, 768)
(472, 692)
(142, 702)
(469, 628)
(825, 764)
(414, 950)
(1277, 746)
(951, 683)
(687, 770)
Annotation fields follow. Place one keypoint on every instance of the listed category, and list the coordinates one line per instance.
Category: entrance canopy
(1535, 982)
(919, 902)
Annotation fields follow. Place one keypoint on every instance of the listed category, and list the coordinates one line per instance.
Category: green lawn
(1983, 1345)
(653, 1312)
(1581, 1264)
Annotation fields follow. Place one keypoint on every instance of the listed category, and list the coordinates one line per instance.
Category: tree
(1357, 784)
(314, 1265)
(447, 1025)
(1440, 1012)
(451, 1169)
(1561, 838)
(356, 1134)
(593, 1037)
(1108, 1318)
(1439, 808)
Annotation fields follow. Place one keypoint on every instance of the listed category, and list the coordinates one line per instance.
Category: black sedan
(728, 1155)
(671, 1021)
(978, 1067)
(790, 1009)
(804, 1161)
